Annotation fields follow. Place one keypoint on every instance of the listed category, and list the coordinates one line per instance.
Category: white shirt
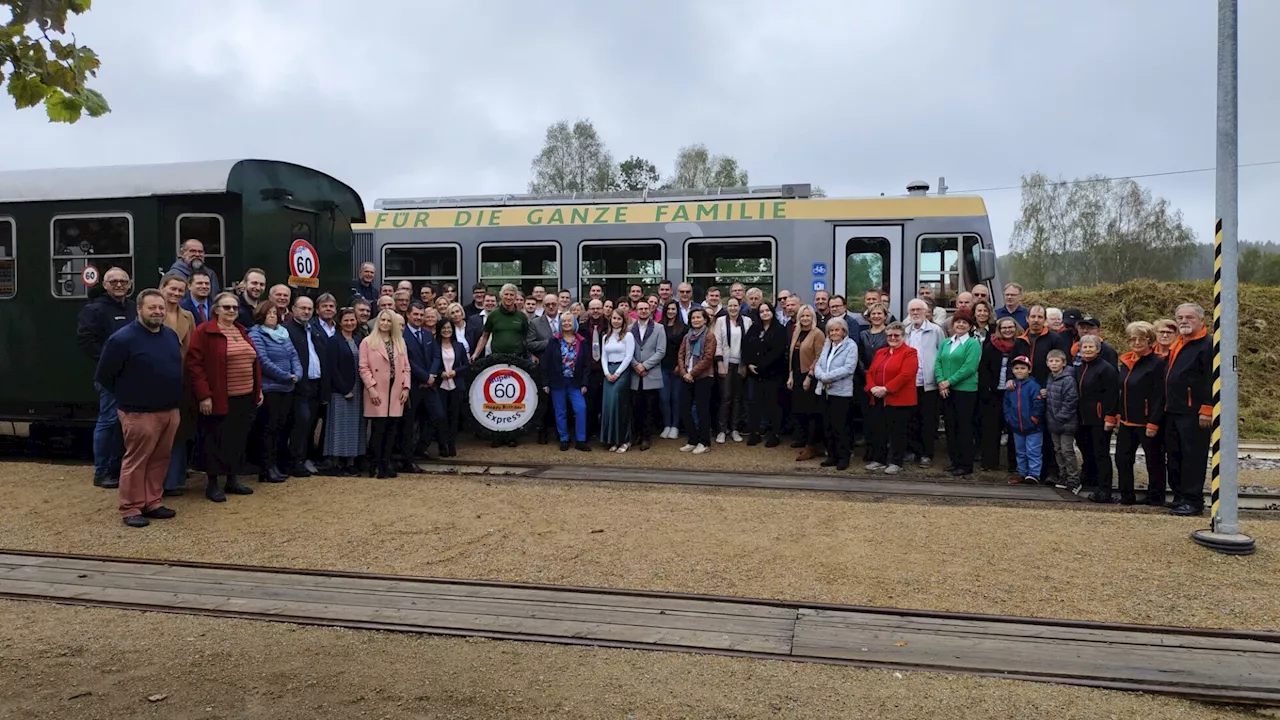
(616, 351)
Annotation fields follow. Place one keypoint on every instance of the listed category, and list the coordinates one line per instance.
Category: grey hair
(838, 322)
(510, 287)
(1090, 339)
(1194, 306)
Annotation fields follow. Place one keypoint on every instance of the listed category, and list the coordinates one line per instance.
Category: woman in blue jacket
(565, 364)
(281, 369)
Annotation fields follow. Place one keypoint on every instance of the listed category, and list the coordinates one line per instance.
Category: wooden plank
(420, 619)
(947, 650)
(411, 587)
(531, 609)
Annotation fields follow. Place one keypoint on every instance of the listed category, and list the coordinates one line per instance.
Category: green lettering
(681, 213)
(400, 219)
(708, 212)
(659, 211)
(600, 216)
(495, 218)
(576, 213)
(463, 217)
(557, 217)
(377, 221)
(420, 219)
(743, 213)
(761, 215)
(780, 210)
(535, 216)
(728, 211)
(620, 214)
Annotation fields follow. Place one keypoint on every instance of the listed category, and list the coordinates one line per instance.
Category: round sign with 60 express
(503, 397)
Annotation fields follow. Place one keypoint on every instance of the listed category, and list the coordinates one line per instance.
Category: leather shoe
(235, 487)
(136, 521)
(159, 512)
(107, 483)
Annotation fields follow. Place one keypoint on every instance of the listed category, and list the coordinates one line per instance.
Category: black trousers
(993, 426)
(1128, 439)
(546, 417)
(699, 396)
(1095, 446)
(276, 408)
(452, 402)
(763, 406)
(924, 423)
(416, 424)
(306, 415)
(644, 405)
(223, 437)
(887, 431)
(1187, 446)
(837, 427)
(382, 435)
(957, 415)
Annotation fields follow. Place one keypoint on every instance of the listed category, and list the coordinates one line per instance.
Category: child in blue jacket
(1024, 411)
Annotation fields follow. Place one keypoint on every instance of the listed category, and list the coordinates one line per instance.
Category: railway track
(1208, 665)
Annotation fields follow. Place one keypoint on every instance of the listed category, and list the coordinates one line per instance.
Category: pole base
(1227, 544)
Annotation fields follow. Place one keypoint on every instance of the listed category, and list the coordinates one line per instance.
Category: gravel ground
(1108, 564)
(73, 663)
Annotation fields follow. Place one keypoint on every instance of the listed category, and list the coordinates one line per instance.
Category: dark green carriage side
(247, 213)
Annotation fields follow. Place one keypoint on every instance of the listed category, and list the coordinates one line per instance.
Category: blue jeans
(671, 397)
(176, 477)
(562, 399)
(1030, 461)
(108, 443)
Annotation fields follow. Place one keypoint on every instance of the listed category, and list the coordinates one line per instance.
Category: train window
(617, 265)
(8, 259)
(78, 241)
(422, 264)
(525, 265)
(938, 268)
(724, 261)
(210, 230)
(865, 261)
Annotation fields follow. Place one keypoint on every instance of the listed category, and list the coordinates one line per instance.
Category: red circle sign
(499, 376)
(89, 275)
(304, 262)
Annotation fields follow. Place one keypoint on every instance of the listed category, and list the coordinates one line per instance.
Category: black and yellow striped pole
(1224, 533)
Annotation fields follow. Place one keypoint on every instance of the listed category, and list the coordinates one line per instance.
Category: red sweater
(206, 365)
(895, 369)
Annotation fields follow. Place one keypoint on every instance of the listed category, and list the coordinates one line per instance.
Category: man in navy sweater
(141, 366)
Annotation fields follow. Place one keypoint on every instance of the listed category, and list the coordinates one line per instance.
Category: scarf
(278, 333)
(1002, 344)
(696, 338)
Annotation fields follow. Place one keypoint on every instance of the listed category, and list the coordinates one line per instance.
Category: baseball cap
(1071, 316)
(1021, 360)
(1089, 320)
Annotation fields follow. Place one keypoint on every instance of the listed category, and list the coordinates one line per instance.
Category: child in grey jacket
(1062, 405)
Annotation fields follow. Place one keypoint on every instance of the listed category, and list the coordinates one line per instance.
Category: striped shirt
(240, 359)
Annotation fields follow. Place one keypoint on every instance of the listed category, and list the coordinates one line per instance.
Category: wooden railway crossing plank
(1191, 663)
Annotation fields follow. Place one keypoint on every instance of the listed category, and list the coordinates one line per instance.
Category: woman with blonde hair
(806, 342)
(456, 315)
(384, 370)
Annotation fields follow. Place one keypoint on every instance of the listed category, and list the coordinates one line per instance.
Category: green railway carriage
(773, 238)
(56, 223)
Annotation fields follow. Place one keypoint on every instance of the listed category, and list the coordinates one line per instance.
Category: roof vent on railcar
(918, 188)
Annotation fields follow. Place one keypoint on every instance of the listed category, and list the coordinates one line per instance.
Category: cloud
(403, 98)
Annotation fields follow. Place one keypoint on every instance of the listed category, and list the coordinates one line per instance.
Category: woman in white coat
(730, 328)
(834, 370)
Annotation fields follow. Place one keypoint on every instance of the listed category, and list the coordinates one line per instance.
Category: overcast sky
(405, 98)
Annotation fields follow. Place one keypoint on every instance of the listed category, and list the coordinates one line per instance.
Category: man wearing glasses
(100, 319)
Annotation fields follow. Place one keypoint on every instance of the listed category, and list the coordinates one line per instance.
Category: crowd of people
(195, 378)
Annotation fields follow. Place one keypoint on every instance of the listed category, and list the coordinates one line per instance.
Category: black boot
(275, 476)
(212, 491)
(235, 487)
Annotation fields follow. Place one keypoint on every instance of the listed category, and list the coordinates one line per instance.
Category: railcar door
(868, 256)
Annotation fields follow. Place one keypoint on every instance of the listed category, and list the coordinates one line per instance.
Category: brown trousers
(148, 440)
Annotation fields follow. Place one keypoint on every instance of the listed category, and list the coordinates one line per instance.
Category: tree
(43, 69)
(1096, 230)
(696, 169)
(573, 159)
(636, 173)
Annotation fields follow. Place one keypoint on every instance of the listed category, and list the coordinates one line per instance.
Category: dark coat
(552, 373)
(99, 319)
(1188, 382)
(766, 349)
(420, 355)
(1141, 391)
(1063, 403)
(298, 335)
(344, 371)
(206, 365)
(1099, 386)
(461, 364)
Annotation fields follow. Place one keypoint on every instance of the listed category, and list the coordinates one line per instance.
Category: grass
(1259, 363)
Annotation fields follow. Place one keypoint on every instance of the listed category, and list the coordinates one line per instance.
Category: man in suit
(310, 342)
(420, 412)
(475, 323)
(646, 376)
(541, 329)
(197, 301)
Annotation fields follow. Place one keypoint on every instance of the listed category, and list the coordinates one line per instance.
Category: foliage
(43, 69)
(573, 159)
(636, 173)
(1259, 357)
(696, 168)
(1096, 230)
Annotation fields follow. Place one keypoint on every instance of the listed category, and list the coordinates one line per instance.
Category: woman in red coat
(226, 379)
(891, 389)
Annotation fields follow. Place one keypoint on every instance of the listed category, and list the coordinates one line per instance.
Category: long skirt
(615, 411)
(344, 428)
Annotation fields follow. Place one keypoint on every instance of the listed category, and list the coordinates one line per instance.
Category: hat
(1071, 316)
(1089, 320)
(1021, 360)
(965, 315)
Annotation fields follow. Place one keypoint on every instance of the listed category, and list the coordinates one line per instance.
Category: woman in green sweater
(956, 370)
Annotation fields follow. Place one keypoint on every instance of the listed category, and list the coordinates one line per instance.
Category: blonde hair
(397, 331)
(1141, 329)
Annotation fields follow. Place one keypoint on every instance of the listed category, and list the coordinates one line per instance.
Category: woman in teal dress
(616, 356)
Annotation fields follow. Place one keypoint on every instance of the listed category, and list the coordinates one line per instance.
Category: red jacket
(206, 365)
(895, 369)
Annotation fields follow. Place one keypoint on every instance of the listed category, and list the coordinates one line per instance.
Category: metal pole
(1224, 533)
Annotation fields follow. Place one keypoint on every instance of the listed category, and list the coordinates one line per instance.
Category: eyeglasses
(117, 282)
(893, 335)
(229, 307)
(1164, 332)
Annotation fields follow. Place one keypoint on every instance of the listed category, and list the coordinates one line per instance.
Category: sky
(416, 98)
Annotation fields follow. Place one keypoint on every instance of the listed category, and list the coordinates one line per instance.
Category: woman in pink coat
(384, 370)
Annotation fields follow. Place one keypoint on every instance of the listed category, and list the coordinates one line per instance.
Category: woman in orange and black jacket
(1141, 408)
(1099, 384)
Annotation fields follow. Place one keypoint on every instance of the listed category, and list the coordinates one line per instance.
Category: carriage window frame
(435, 280)
(886, 261)
(13, 258)
(222, 240)
(690, 277)
(585, 282)
(557, 278)
(53, 258)
(959, 273)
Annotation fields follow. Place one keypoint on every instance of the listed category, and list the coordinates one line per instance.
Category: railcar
(62, 229)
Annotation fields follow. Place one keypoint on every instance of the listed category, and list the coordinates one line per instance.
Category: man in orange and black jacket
(1188, 393)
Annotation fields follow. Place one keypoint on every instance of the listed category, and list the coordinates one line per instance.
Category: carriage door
(868, 257)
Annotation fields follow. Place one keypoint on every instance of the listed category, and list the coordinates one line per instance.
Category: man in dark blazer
(420, 413)
(475, 323)
(310, 342)
(541, 330)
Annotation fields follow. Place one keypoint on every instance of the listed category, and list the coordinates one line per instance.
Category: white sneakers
(873, 465)
(737, 436)
(892, 470)
(688, 448)
(700, 449)
(623, 447)
(669, 433)
(720, 439)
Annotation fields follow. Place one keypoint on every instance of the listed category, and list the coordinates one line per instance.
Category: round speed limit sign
(303, 261)
(89, 275)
